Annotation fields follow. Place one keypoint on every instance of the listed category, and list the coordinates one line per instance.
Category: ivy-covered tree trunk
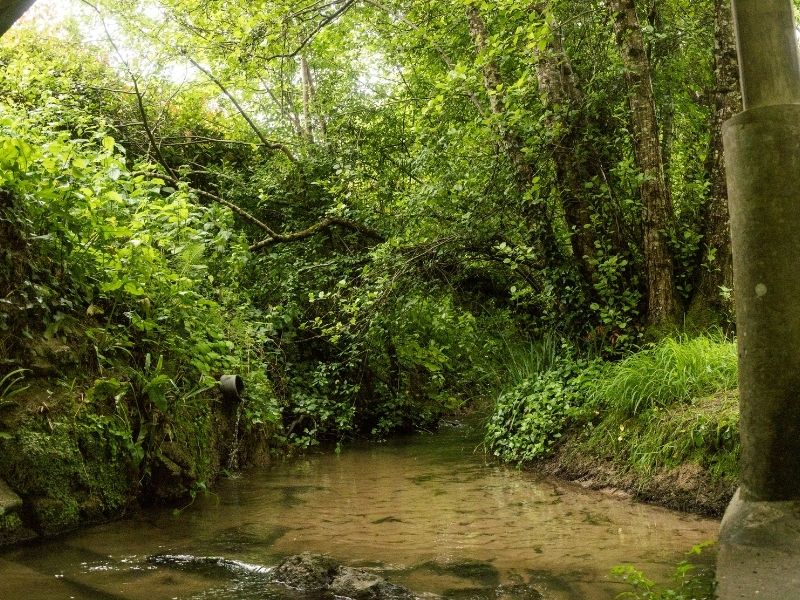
(657, 210)
(716, 273)
(538, 219)
(563, 102)
(513, 145)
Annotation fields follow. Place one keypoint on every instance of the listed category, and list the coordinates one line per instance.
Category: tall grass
(527, 360)
(675, 370)
(706, 433)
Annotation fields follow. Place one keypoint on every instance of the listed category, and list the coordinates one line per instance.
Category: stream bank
(427, 512)
(688, 488)
(76, 457)
(661, 424)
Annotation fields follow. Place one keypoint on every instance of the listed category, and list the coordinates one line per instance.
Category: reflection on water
(427, 512)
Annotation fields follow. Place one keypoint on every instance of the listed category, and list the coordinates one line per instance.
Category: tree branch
(234, 207)
(269, 144)
(306, 40)
(316, 228)
(201, 139)
(139, 99)
(279, 238)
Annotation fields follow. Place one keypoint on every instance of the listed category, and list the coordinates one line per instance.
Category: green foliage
(674, 370)
(690, 581)
(381, 116)
(671, 405)
(10, 386)
(528, 361)
(704, 432)
(138, 282)
(530, 418)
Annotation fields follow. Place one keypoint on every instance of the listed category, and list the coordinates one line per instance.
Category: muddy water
(426, 512)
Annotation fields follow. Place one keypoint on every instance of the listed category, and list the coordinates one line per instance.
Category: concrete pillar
(760, 536)
(10, 11)
(767, 46)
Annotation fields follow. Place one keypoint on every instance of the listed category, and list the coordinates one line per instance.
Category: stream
(426, 511)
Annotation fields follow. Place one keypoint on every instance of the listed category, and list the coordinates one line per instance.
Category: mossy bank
(75, 455)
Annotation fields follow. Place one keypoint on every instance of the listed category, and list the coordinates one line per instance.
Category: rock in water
(306, 572)
(317, 573)
(363, 585)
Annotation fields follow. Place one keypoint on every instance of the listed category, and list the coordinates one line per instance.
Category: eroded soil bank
(688, 487)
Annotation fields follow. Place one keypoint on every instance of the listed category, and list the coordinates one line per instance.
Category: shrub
(529, 419)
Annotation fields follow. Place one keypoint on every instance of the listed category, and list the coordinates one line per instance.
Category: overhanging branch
(316, 228)
(272, 145)
(273, 237)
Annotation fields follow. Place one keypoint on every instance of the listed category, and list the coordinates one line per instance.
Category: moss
(36, 463)
(54, 515)
(9, 524)
(13, 529)
(77, 460)
(65, 477)
(109, 478)
(190, 460)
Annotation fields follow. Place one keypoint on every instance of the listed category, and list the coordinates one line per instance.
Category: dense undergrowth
(659, 409)
(119, 310)
(368, 253)
(124, 296)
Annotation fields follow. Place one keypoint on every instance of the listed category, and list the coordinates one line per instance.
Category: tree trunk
(538, 220)
(657, 210)
(716, 260)
(572, 160)
(513, 145)
(305, 73)
(10, 11)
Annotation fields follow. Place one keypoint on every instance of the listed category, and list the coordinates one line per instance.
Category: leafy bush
(692, 582)
(135, 279)
(530, 418)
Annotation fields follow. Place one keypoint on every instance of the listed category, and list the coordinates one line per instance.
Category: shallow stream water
(426, 511)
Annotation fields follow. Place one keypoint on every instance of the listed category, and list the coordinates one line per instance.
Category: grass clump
(670, 405)
(675, 370)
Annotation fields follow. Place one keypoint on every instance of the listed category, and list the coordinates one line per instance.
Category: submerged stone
(309, 573)
(503, 592)
(473, 570)
(363, 585)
